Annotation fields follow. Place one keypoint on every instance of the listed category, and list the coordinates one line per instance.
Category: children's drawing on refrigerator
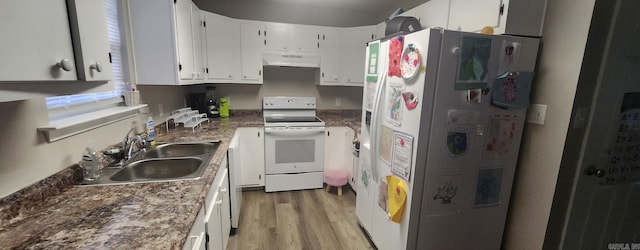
(458, 141)
(500, 136)
(383, 196)
(394, 104)
(365, 174)
(395, 53)
(473, 64)
(386, 144)
(510, 54)
(397, 191)
(445, 191)
(488, 187)
(402, 157)
(511, 90)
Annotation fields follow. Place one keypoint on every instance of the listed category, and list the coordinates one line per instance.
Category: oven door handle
(293, 132)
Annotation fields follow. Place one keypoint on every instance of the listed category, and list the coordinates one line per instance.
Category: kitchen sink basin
(181, 150)
(160, 169)
(165, 162)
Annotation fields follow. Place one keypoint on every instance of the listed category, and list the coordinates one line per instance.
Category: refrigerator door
(365, 198)
(404, 106)
(467, 184)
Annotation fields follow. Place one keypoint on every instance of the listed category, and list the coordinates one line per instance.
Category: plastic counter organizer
(187, 117)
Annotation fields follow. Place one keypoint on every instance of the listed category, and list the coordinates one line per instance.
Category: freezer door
(473, 146)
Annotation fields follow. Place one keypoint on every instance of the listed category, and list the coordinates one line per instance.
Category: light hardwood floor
(306, 219)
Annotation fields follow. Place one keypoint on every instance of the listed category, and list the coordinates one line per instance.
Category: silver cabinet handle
(65, 64)
(96, 66)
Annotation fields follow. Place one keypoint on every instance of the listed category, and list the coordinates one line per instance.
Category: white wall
(284, 81)
(565, 33)
(25, 155)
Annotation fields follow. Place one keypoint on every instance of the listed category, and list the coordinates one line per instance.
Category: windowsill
(66, 127)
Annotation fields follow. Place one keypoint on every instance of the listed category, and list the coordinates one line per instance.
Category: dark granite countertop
(54, 214)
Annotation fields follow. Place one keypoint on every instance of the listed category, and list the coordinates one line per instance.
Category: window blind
(114, 27)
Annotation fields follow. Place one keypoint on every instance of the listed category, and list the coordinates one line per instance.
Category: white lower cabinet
(217, 217)
(251, 153)
(197, 236)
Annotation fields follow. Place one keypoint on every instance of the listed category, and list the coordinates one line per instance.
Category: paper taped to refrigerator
(500, 136)
(473, 63)
(372, 63)
(401, 163)
(386, 144)
(445, 194)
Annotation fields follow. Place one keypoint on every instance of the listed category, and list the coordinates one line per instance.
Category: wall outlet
(338, 102)
(160, 110)
(228, 100)
(537, 114)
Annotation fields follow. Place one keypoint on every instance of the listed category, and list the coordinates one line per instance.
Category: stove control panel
(288, 102)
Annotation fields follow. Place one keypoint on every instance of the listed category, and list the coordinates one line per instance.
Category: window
(63, 106)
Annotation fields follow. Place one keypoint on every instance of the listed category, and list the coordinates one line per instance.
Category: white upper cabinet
(277, 36)
(252, 45)
(185, 39)
(90, 39)
(223, 63)
(330, 56)
(517, 17)
(37, 41)
(353, 53)
(306, 39)
(197, 28)
(165, 43)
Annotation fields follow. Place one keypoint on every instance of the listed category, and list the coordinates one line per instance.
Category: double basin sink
(165, 162)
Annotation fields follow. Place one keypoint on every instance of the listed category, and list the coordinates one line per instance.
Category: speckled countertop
(54, 214)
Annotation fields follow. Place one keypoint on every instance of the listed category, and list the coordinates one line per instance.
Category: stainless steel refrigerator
(443, 114)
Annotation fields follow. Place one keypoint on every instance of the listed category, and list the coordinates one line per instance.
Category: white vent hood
(290, 60)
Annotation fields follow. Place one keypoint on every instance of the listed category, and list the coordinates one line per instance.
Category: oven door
(294, 149)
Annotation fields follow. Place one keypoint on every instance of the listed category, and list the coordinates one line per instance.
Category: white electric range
(294, 144)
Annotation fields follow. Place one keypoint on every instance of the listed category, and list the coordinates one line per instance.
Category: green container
(224, 107)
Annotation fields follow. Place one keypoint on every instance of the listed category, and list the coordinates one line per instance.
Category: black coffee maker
(204, 102)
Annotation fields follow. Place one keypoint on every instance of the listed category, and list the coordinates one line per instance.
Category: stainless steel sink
(165, 162)
(181, 150)
(160, 169)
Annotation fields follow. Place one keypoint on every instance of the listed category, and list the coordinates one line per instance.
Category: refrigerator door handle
(374, 126)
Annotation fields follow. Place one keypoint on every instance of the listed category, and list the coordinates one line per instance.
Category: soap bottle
(151, 132)
(90, 165)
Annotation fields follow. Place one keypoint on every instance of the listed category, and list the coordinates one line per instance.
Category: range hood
(290, 60)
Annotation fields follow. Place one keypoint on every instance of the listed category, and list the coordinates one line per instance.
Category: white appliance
(235, 177)
(294, 144)
(458, 187)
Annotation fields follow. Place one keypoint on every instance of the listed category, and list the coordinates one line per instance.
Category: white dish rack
(187, 117)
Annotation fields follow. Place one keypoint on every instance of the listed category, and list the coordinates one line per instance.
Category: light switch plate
(537, 114)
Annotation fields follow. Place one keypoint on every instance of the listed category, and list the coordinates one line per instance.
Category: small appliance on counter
(204, 102)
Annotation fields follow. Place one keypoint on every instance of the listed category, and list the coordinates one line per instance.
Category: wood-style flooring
(306, 219)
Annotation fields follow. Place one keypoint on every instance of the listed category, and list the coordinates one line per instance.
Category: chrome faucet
(128, 143)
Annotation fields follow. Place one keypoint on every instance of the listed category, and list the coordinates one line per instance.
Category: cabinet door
(225, 211)
(473, 15)
(252, 43)
(222, 60)
(252, 156)
(35, 36)
(306, 39)
(91, 42)
(212, 223)
(330, 56)
(353, 53)
(196, 236)
(185, 39)
(198, 53)
(276, 37)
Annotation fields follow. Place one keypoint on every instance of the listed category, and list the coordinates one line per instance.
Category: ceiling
(339, 13)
